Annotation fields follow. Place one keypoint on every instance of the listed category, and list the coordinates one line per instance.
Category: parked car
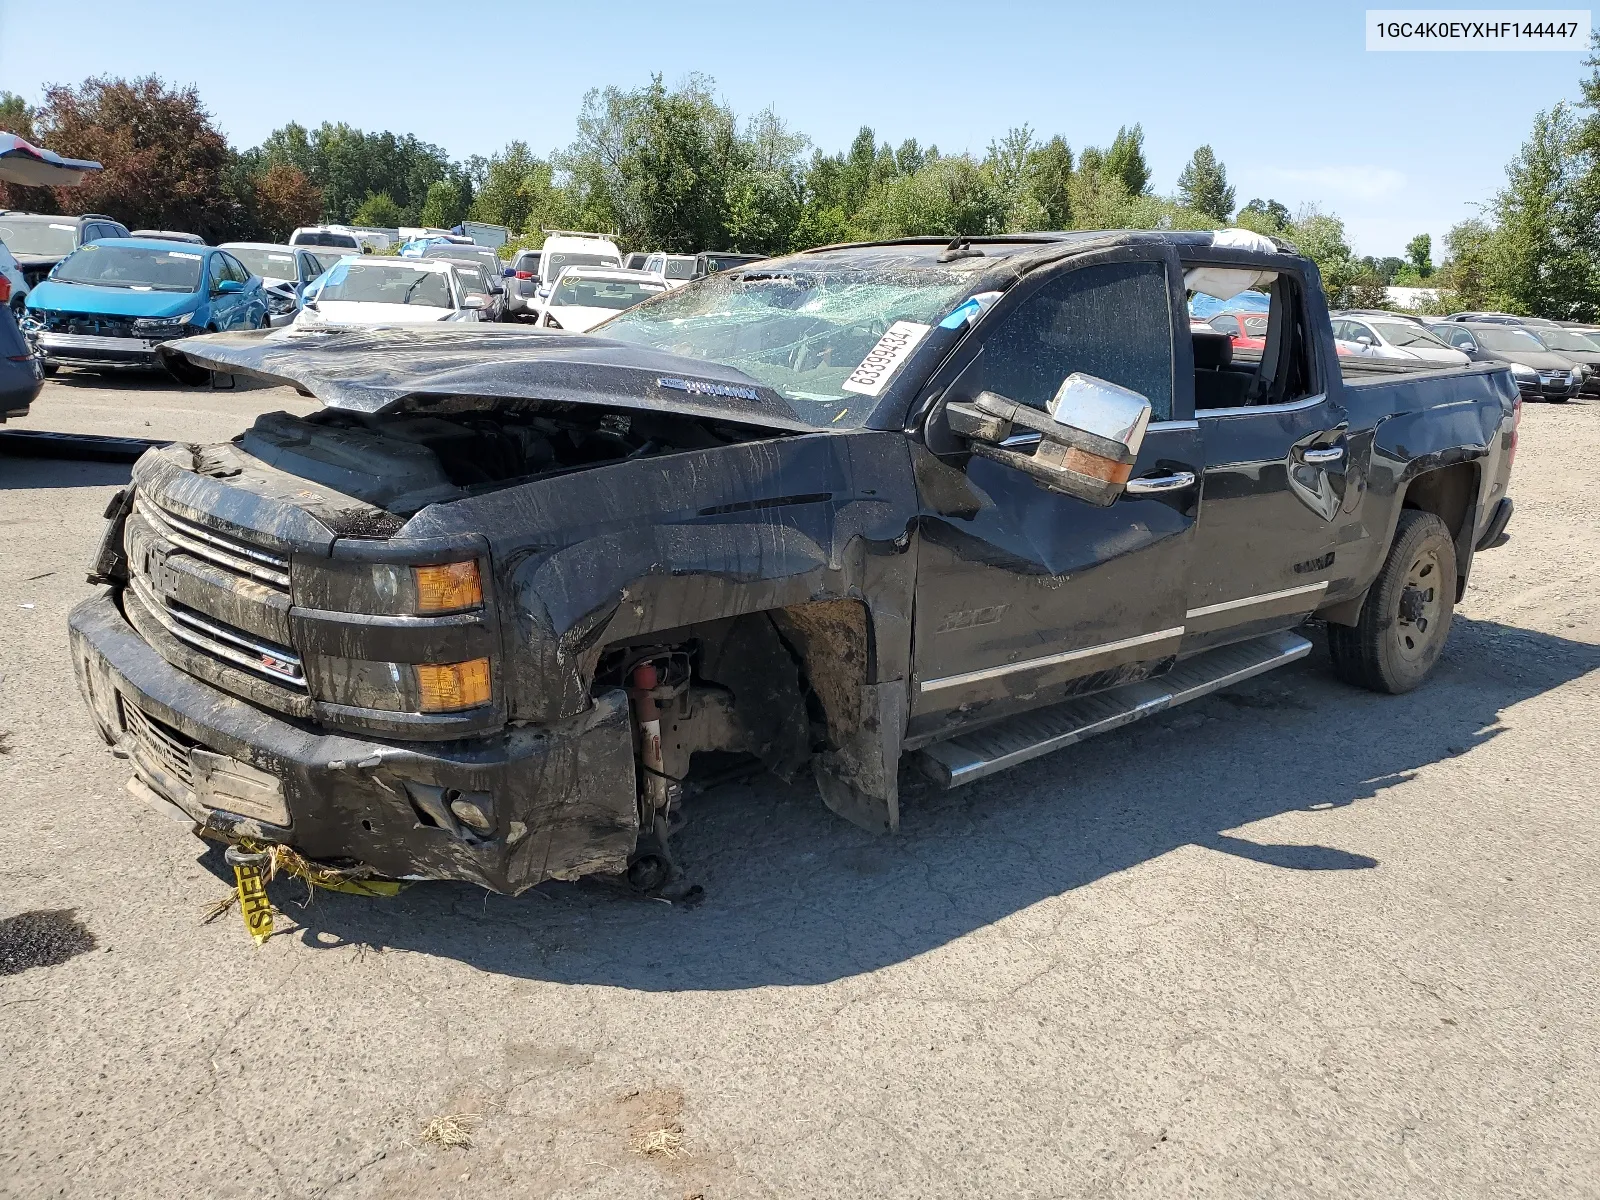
(1498, 318)
(284, 271)
(675, 269)
(40, 242)
(585, 296)
(13, 282)
(1577, 346)
(635, 261)
(476, 281)
(1396, 338)
(169, 235)
(522, 285)
(874, 500)
(380, 290)
(111, 302)
(493, 270)
(563, 248)
(345, 238)
(1541, 373)
(1247, 329)
(712, 261)
(20, 373)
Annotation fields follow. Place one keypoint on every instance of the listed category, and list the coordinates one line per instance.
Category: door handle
(1154, 485)
(1324, 456)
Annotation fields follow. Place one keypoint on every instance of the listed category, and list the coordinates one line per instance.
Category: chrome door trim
(1049, 660)
(1250, 410)
(1251, 601)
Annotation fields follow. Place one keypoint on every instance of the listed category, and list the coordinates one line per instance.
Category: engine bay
(404, 462)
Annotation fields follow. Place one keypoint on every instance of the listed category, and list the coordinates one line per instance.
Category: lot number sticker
(884, 359)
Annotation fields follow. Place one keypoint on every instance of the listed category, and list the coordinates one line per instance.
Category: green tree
(1321, 238)
(442, 207)
(1125, 160)
(1540, 266)
(510, 186)
(378, 210)
(1203, 186)
(1008, 164)
(1471, 265)
(1419, 253)
(1264, 216)
(16, 115)
(948, 197)
(1049, 179)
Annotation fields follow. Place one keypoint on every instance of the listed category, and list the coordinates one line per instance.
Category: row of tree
(674, 168)
(671, 168)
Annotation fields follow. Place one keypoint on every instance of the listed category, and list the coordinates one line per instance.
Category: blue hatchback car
(111, 302)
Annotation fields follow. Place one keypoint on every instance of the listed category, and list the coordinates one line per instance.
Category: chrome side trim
(1164, 426)
(1250, 410)
(1049, 660)
(1252, 601)
(225, 552)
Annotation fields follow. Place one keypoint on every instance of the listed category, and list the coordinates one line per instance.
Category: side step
(970, 756)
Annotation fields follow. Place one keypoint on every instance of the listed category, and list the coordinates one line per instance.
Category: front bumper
(561, 798)
(1545, 390)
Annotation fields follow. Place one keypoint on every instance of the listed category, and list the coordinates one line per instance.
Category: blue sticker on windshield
(969, 310)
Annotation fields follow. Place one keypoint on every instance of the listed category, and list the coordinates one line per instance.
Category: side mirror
(228, 287)
(1364, 340)
(497, 289)
(1088, 441)
(475, 300)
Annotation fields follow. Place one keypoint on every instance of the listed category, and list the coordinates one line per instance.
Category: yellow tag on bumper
(253, 903)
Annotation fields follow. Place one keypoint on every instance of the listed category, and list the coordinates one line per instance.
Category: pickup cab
(492, 611)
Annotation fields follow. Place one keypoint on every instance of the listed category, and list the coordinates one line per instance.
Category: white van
(564, 248)
(339, 237)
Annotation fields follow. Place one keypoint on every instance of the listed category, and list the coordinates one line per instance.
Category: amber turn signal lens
(447, 687)
(449, 587)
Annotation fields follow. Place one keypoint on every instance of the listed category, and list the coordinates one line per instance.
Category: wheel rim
(1421, 607)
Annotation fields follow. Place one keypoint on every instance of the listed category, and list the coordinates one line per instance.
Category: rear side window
(1113, 321)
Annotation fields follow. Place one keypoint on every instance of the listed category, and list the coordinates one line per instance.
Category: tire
(1406, 617)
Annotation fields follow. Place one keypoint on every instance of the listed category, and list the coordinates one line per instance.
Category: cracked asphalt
(1295, 939)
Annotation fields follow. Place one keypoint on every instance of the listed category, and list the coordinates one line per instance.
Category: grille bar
(214, 547)
(277, 663)
(168, 748)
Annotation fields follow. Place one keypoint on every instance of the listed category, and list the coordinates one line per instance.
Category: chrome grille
(278, 663)
(218, 548)
(166, 748)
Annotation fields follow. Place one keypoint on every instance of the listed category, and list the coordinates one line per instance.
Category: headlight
(1523, 371)
(171, 326)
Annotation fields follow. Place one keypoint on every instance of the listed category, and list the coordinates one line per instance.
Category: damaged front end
(439, 631)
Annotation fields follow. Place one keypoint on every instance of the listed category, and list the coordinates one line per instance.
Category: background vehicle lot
(1296, 939)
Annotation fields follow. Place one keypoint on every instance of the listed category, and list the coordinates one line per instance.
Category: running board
(970, 756)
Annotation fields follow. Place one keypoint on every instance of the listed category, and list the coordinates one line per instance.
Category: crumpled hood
(110, 301)
(396, 369)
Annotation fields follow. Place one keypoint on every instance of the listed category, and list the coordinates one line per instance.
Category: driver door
(1026, 595)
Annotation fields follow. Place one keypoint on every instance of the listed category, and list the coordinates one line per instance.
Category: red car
(1248, 330)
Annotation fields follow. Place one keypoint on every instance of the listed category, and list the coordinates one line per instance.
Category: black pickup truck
(491, 612)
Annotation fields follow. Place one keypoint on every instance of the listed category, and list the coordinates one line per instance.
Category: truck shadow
(794, 896)
(19, 473)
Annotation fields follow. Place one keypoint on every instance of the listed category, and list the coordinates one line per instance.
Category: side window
(1274, 360)
(1228, 323)
(1113, 321)
(237, 270)
(218, 271)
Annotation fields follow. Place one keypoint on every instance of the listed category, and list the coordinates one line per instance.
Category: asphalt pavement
(1293, 940)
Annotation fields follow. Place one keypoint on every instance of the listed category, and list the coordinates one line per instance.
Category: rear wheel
(1406, 618)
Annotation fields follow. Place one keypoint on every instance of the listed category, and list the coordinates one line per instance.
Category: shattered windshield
(801, 332)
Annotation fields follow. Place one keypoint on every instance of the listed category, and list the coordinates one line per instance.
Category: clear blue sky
(1294, 105)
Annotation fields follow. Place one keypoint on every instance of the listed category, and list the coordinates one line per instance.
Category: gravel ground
(1294, 939)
